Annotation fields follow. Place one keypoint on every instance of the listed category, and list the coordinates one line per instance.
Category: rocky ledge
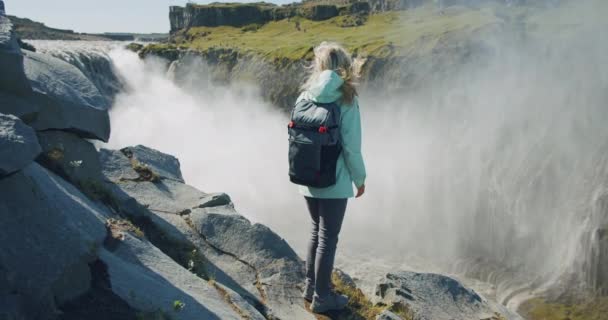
(118, 234)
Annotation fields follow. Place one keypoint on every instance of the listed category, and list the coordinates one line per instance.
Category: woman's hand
(360, 191)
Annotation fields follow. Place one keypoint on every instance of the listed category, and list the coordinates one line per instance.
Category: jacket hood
(326, 88)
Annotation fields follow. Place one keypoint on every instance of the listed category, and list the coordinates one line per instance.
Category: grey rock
(164, 165)
(275, 266)
(20, 107)
(68, 100)
(50, 231)
(388, 315)
(215, 200)
(12, 77)
(246, 309)
(249, 259)
(345, 278)
(72, 157)
(149, 280)
(116, 166)
(435, 297)
(254, 243)
(18, 144)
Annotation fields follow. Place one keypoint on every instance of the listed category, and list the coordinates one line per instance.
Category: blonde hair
(332, 56)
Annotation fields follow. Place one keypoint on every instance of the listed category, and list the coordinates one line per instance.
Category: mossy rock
(135, 47)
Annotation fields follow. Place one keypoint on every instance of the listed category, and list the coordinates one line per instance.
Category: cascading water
(497, 173)
(91, 57)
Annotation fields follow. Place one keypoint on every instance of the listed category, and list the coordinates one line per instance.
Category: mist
(493, 172)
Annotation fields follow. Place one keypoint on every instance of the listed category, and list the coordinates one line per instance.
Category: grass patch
(293, 38)
(541, 309)
(360, 307)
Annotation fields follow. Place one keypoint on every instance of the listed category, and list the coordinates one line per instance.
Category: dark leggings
(327, 216)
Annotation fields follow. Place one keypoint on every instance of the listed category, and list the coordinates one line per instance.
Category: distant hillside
(33, 30)
(29, 29)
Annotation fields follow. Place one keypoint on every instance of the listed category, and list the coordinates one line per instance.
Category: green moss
(135, 47)
(541, 309)
(360, 307)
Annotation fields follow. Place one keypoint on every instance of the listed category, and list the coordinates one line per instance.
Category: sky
(142, 16)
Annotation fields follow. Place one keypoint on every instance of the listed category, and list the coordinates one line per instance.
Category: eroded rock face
(50, 232)
(68, 100)
(436, 297)
(18, 144)
(320, 12)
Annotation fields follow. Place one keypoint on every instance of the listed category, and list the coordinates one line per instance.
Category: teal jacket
(350, 167)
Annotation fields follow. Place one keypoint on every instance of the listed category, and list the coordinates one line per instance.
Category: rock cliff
(119, 234)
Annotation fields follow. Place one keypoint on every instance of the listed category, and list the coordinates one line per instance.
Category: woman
(332, 80)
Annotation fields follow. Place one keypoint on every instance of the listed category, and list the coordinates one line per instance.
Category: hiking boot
(332, 302)
(309, 291)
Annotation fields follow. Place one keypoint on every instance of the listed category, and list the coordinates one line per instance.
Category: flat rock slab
(50, 231)
(165, 165)
(12, 77)
(277, 268)
(18, 144)
(150, 281)
(436, 297)
(68, 100)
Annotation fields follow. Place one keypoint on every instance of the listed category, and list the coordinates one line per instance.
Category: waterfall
(90, 57)
(497, 174)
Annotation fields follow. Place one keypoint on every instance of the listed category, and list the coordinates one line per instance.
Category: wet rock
(68, 100)
(435, 297)
(12, 77)
(18, 144)
(50, 232)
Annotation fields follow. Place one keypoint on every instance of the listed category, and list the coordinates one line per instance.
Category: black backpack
(314, 143)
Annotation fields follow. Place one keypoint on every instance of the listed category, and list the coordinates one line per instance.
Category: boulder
(21, 107)
(72, 157)
(68, 100)
(436, 297)
(150, 281)
(165, 165)
(249, 259)
(253, 252)
(50, 232)
(18, 144)
(12, 77)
